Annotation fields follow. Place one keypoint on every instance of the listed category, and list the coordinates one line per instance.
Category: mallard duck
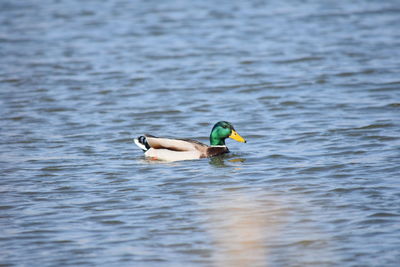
(185, 149)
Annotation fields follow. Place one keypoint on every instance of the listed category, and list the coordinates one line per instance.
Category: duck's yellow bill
(235, 136)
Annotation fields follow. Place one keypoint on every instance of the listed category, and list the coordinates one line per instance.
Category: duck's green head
(221, 131)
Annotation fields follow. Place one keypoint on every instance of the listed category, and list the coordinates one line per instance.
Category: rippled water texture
(314, 86)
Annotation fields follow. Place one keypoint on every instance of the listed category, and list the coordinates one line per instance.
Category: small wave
(394, 105)
(384, 214)
(297, 60)
(375, 126)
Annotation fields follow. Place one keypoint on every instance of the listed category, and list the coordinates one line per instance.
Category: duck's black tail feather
(142, 143)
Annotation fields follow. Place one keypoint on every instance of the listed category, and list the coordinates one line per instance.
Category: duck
(171, 149)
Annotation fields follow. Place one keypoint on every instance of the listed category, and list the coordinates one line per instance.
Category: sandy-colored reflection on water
(240, 229)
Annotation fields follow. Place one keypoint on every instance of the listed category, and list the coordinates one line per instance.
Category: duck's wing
(175, 144)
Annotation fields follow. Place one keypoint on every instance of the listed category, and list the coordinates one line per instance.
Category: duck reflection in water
(221, 160)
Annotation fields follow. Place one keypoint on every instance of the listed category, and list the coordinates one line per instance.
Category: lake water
(314, 87)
